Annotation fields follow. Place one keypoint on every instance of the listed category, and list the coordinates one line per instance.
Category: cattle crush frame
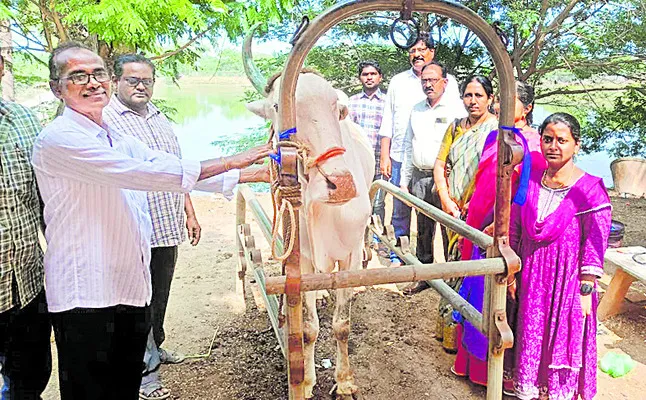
(501, 261)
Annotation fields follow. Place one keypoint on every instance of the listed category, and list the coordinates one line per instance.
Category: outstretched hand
(255, 174)
(249, 157)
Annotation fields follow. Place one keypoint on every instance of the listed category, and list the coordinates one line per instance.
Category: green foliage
(28, 69)
(620, 128)
(169, 111)
(252, 137)
(140, 24)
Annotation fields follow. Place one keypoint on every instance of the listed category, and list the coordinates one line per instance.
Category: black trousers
(162, 268)
(25, 349)
(421, 186)
(100, 351)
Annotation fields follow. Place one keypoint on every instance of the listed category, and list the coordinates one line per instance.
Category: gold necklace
(562, 185)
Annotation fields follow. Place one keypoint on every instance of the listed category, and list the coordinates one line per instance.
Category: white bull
(336, 206)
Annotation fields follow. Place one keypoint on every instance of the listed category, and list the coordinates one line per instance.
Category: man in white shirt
(93, 182)
(404, 91)
(428, 122)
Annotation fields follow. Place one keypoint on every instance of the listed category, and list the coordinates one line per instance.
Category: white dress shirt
(98, 227)
(426, 128)
(404, 91)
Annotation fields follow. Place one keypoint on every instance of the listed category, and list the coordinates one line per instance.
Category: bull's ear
(343, 111)
(259, 108)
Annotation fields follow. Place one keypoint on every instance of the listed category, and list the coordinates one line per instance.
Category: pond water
(213, 109)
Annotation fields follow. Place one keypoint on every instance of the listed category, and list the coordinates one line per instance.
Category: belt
(424, 170)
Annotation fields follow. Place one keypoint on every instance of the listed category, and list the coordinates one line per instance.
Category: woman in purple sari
(560, 234)
(471, 360)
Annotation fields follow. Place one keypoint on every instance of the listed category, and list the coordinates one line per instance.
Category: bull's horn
(253, 73)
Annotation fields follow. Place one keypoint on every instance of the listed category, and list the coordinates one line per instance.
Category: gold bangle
(512, 282)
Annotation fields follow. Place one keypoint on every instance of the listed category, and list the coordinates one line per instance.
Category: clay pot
(629, 176)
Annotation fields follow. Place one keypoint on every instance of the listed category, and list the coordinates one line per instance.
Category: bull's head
(318, 128)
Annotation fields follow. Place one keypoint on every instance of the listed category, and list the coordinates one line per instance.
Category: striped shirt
(366, 111)
(21, 258)
(98, 226)
(166, 208)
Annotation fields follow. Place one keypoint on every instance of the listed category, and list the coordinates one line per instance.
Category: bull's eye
(275, 107)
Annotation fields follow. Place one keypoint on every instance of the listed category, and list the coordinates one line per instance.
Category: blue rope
(285, 135)
(276, 157)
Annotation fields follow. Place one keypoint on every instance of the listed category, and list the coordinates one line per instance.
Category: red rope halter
(330, 153)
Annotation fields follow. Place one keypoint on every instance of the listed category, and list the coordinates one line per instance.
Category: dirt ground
(392, 349)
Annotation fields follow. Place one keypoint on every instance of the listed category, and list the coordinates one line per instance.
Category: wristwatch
(586, 289)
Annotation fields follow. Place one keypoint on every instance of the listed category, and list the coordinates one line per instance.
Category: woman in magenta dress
(560, 234)
(471, 360)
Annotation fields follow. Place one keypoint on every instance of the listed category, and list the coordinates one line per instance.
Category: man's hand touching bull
(240, 161)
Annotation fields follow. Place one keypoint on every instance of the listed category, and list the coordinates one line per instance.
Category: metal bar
(467, 310)
(271, 302)
(460, 227)
(259, 215)
(241, 207)
(380, 276)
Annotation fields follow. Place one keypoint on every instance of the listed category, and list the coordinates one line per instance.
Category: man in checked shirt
(366, 109)
(25, 350)
(130, 111)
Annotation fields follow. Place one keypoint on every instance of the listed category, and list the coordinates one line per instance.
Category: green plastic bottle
(616, 365)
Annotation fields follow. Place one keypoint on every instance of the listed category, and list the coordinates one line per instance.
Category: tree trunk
(6, 51)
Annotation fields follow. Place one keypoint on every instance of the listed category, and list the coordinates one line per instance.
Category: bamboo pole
(467, 310)
(478, 237)
(379, 276)
(241, 211)
(259, 215)
(271, 302)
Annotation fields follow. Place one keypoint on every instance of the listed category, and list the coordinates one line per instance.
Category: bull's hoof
(347, 391)
(354, 396)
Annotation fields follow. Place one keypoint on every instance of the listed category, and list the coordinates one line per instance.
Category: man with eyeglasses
(25, 348)
(131, 111)
(404, 91)
(93, 181)
(427, 124)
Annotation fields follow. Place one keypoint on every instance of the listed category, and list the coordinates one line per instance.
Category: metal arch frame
(508, 151)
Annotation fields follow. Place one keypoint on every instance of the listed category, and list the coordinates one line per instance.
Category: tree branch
(538, 42)
(185, 45)
(56, 19)
(580, 91)
(33, 56)
(603, 63)
(46, 31)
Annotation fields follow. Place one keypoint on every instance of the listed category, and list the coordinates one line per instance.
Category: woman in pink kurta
(560, 234)
(471, 360)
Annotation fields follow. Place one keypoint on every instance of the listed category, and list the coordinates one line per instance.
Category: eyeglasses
(84, 79)
(133, 81)
(414, 50)
(432, 81)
